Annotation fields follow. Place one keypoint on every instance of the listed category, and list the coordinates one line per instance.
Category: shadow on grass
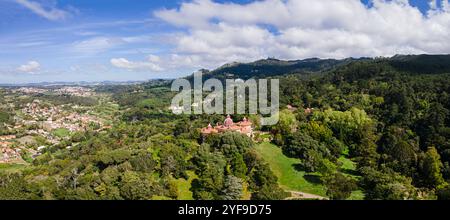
(311, 178)
(314, 179)
(351, 172)
(299, 167)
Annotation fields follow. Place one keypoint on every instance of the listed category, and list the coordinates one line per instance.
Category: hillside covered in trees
(388, 116)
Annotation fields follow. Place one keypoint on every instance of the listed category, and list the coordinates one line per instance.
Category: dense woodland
(391, 116)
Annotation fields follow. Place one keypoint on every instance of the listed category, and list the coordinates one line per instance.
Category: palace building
(243, 127)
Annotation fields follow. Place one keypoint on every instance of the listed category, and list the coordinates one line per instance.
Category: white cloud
(136, 66)
(154, 59)
(96, 45)
(31, 67)
(50, 13)
(216, 33)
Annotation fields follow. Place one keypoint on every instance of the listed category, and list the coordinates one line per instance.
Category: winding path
(302, 195)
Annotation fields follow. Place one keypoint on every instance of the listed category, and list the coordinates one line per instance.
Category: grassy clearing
(184, 185)
(349, 169)
(289, 178)
(11, 168)
(347, 164)
(293, 179)
(105, 110)
(61, 132)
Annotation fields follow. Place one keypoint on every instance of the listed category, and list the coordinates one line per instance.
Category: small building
(7, 137)
(291, 108)
(8, 155)
(309, 111)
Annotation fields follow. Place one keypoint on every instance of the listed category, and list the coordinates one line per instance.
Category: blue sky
(87, 40)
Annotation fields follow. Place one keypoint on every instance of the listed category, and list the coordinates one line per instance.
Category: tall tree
(430, 168)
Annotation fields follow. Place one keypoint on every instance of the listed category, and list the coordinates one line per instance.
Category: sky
(121, 40)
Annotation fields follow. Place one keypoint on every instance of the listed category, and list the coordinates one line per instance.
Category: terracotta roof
(209, 130)
(242, 127)
(245, 122)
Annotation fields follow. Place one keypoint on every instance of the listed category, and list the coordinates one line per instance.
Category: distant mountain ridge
(425, 64)
(274, 67)
(270, 67)
(415, 64)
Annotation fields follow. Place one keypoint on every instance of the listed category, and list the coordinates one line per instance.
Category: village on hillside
(38, 123)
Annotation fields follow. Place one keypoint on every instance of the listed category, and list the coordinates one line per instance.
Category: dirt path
(302, 195)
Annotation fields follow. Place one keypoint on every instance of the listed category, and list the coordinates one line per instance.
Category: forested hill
(380, 127)
(425, 64)
(412, 64)
(401, 105)
(273, 67)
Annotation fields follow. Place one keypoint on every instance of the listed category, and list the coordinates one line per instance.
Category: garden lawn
(292, 179)
(184, 185)
(349, 169)
(283, 167)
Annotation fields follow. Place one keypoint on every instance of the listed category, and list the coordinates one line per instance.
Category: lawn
(293, 179)
(184, 185)
(11, 168)
(61, 132)
(349, 169)
(289, 178)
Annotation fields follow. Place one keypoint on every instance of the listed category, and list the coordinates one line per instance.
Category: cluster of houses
(180, 109)
(13, 154)
(67, 90)
(75, 91)
(243, 127)
(30, 90)
(37, 112)
(41, 119)
(7, 153)
(72, 122)
(54, 118)
(46, 120)
(7, 137)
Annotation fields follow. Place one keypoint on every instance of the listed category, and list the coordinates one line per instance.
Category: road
(303, 195)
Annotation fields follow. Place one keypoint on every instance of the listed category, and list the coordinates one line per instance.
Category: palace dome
(228, 121)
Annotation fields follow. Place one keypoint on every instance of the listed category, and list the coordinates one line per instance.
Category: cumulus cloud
(148, 65)
(216, 33)
(30, 67)
(50, 13)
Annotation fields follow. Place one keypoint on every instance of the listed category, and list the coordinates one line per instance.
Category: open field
(292, 179)
(184, 185)
(61, 132)
(288, 177)
(11, 168)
